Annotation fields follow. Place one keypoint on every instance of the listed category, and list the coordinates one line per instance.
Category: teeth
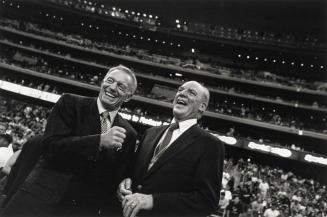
(181, 102)
(108, 94)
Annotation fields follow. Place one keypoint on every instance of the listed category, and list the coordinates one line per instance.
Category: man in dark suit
(87, 149)
(178, 169)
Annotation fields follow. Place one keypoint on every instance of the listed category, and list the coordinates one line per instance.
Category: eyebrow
(119, 83)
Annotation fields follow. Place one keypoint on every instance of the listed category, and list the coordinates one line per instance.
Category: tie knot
(105, 115)
(173, 127)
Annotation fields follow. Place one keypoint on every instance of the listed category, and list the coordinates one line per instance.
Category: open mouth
(109, 94)
(181, 102)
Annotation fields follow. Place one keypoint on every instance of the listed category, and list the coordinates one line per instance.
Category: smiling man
(179, 167)
(87, 148)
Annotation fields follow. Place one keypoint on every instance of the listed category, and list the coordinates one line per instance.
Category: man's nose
(183, 93)
(113, 86)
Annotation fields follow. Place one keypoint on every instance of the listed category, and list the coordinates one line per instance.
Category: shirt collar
(185, 125)
(101, 109)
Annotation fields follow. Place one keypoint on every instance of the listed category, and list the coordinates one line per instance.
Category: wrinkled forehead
(193, 85)
(119, 76)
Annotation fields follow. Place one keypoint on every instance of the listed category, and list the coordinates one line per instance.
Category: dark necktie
(167, 139)
(104, 118)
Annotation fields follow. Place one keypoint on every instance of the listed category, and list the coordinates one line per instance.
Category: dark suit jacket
(74, 177)
(186, 179)
(25, 162)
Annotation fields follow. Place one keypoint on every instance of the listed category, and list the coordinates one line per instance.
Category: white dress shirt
(112, 114)
(182, 127)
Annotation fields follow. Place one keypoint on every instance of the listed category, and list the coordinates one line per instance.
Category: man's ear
(203, 107)
(128, 97)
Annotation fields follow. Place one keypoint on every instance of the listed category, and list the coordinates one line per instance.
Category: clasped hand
(114, 138)
(132, 203)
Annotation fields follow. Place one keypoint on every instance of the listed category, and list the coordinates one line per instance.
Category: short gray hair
(129, 72)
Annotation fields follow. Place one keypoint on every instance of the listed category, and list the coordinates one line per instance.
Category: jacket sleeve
(126, 166)
(59, 140)
(204, 198)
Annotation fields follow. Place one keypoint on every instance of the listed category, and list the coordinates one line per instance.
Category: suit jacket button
(139, 187)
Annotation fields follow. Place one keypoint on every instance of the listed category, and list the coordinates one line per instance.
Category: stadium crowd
(217, 105)
(176, 59)
(216, 31)
(227, 89)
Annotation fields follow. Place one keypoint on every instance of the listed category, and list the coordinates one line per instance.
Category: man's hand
(124, 188)
(133, 203)
(114, 138)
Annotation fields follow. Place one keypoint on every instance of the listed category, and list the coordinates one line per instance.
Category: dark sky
(294, 16)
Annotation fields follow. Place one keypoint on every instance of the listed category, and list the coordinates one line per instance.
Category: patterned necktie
(167, 139)
(104, 118)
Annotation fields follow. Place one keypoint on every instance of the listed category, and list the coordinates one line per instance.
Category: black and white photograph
(163, 108)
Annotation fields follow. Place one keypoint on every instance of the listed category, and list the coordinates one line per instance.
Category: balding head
(191, 101)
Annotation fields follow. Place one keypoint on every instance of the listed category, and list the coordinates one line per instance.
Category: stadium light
(315, 159)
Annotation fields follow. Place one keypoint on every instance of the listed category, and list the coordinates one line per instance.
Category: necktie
(104, 119)
(167, 139)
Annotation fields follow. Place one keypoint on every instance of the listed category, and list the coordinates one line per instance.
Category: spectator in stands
(87, 148)
(3, 128)
(178, 170)
(235, 207)
(223, 203)
(5, 149)
(264, 187)
(5, 140)
(271, 212)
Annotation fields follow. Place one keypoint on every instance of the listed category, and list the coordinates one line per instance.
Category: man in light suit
(178, 169)
(87, 147)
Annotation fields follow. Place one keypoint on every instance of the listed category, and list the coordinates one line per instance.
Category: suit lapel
(176, 147)
(146, 151)
(95, 125)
